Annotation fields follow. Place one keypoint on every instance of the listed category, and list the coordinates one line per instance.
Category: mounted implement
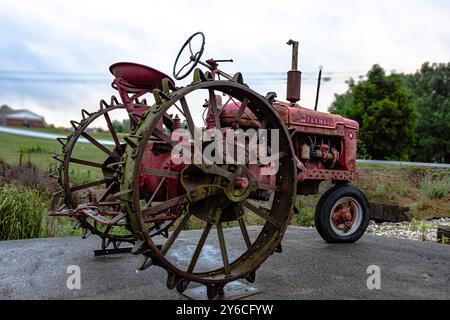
(210, 155)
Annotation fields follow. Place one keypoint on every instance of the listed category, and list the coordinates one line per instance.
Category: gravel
(412, 230)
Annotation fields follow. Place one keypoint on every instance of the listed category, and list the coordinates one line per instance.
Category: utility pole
(318, 88)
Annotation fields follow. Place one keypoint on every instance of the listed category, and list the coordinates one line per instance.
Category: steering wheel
(194, 59)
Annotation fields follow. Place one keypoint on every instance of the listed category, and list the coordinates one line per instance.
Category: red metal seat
(138, 76)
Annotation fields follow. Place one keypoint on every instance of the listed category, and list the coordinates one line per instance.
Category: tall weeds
(23, 213)
(28, 175)
(435, 187)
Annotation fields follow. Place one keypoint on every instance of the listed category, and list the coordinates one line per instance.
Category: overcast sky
(80, 39)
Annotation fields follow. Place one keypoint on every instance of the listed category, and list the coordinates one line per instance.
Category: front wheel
(342, 214)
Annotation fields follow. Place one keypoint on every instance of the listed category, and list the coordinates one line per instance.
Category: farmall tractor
(147, 189)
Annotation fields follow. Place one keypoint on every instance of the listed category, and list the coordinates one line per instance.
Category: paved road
(308, 268)
(44, 135)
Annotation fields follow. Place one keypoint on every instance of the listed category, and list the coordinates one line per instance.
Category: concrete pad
(308, 268)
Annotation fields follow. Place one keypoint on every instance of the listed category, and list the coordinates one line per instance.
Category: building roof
(24, 114)
(8, 113)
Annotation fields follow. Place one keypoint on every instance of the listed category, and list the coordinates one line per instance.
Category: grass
(306, 210)
(23, 214)
(15, 149)
(25, 196)
(426, 191)
(420, 226)
(444, 240)
(435, 187)
(12, 145)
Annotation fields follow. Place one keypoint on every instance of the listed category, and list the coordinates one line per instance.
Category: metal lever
(226, 60)
(212, 65)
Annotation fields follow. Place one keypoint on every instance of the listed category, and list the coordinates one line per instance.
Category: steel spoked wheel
(342, 214)
(88, 176)
(212, 196)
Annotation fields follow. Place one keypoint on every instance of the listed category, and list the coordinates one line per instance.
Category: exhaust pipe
(294, 76)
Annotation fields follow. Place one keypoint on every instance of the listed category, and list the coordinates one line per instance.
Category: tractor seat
(138, 76)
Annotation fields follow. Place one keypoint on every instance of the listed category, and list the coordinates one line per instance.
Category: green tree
(431, 88)
(383, 106)
(117, 125)
(126, 125)
(122, 126)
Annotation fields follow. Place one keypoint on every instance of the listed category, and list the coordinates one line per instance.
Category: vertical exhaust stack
(294, 76)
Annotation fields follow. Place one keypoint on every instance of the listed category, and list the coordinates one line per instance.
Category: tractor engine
(324, 144)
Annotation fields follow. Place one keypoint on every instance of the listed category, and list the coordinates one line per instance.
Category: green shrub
(434, 187)
(23, 214)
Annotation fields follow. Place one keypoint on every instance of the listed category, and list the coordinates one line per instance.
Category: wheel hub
(346, 215)
(215, 193)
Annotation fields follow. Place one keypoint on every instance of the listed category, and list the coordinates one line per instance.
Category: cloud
(87, 36)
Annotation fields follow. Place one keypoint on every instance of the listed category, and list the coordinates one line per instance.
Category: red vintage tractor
(153, 183)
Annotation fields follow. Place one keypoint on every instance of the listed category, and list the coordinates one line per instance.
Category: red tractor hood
(297, 115)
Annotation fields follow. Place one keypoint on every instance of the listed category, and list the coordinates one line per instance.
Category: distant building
(20, 118)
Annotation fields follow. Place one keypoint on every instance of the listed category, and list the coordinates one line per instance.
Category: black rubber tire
(325, 205)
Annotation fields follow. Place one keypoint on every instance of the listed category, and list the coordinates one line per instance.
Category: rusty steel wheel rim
(277, 218)
(119, 231)
(69, 188)
(346, 216)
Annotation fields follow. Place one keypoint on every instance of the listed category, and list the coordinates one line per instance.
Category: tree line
(401, 116)
(122, 126)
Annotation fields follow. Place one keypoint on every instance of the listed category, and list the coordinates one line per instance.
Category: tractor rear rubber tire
(324, 210)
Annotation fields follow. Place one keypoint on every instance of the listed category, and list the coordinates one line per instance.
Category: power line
(69, 77)
(249, 73)
(59, 80)
(58, 73)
